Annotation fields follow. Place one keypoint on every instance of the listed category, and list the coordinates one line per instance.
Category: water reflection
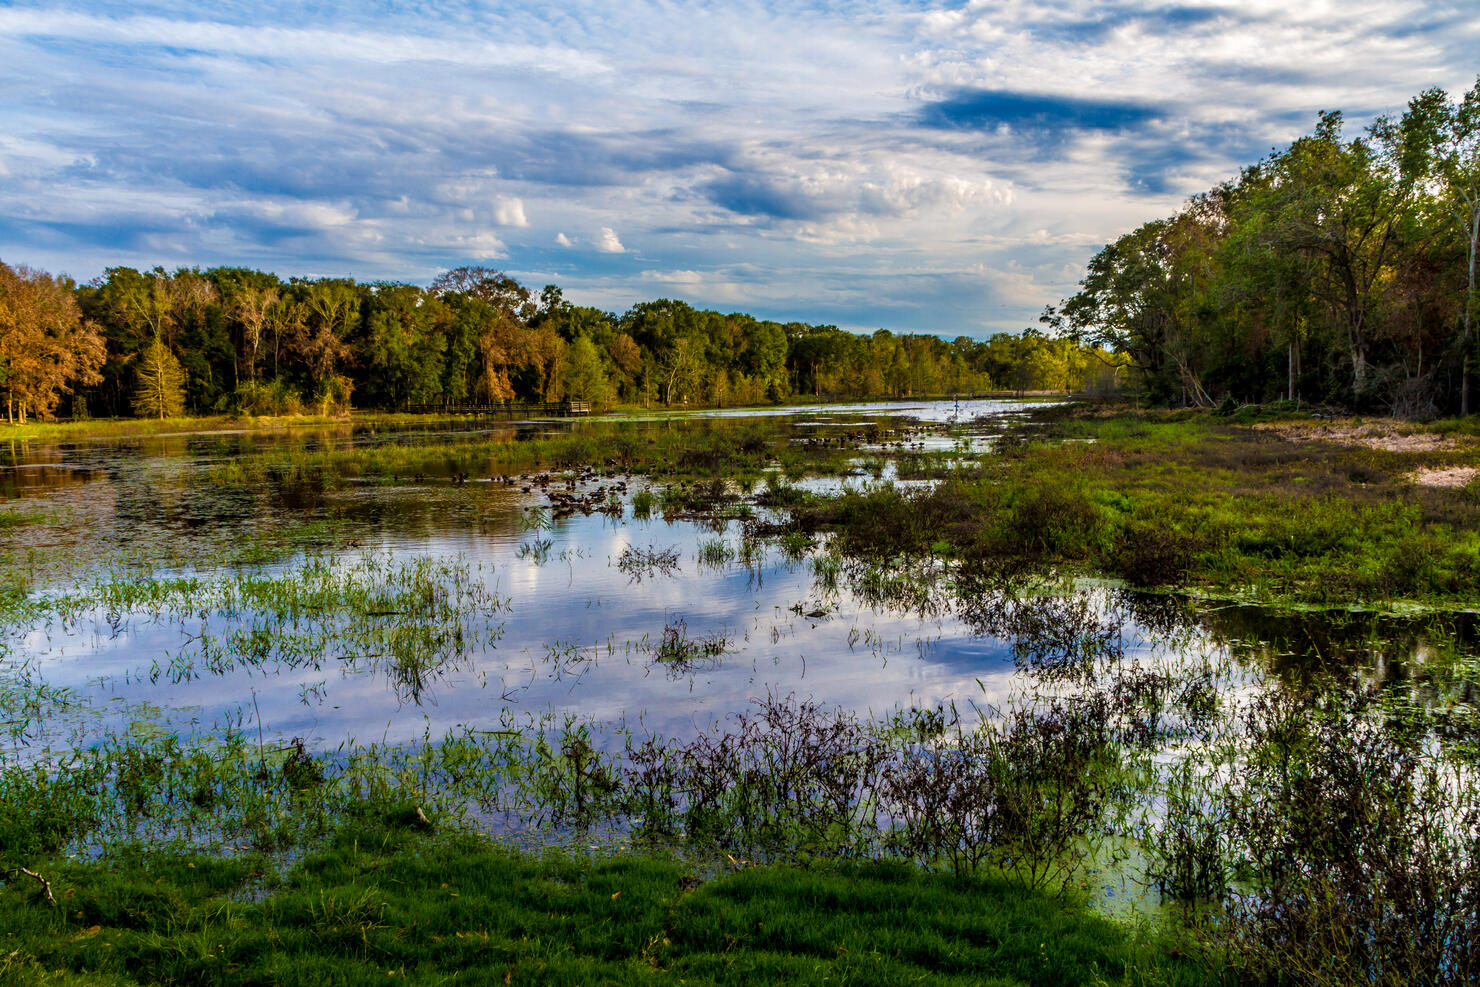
(669, 626)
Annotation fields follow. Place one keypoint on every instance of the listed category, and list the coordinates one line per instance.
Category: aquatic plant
(640, 563)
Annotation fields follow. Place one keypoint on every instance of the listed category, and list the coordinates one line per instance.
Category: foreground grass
(387, 899)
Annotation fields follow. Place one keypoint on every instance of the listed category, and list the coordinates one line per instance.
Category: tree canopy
(1339, 270)
(159, 342)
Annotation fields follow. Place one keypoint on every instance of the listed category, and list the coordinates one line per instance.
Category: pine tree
(161, 383)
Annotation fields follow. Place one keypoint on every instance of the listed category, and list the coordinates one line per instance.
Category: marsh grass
(1322, 832)
(642, 504)
(702, 449)
(12, 519)
(683, 653)
(1334, 841)
(1177, 501)
(387, 899)
(715, 553)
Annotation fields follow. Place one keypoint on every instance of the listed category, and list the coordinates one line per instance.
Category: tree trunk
(1469, 340)
(1290, 372)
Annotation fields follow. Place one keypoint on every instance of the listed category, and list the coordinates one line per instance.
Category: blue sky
(924, 167)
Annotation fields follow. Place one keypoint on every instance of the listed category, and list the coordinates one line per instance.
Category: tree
(1438, 141)
(583, 376)
(46, 347)
(160, 391)
(332, 306)
(494, 287)
(1266, 289)
(144, 301)
(403, 345)
(762, 354)
(1128, 302)
(626, 357)
(1334, 202)
(683, 370)
(256, 309)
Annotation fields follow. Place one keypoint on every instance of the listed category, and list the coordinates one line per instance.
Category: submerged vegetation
(1221, 671)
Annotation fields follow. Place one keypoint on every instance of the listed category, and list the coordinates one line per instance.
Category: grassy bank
(1199, 502)
(389, 900)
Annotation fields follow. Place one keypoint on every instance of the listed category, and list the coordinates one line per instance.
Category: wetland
(1192, 693)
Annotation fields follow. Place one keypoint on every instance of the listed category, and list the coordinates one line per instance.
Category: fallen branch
(11, 875)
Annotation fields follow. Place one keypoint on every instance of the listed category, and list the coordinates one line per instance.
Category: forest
(1337, 271)
(159, 343)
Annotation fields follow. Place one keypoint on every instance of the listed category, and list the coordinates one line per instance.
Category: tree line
(160, 343)
(1340, 271)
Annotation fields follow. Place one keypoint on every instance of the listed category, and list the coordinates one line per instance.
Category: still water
(140, 615)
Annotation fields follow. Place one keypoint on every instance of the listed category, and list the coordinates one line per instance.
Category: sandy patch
(1453, 476)
(1385, 435)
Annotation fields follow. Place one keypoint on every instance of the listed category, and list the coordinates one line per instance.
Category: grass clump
(387, 899)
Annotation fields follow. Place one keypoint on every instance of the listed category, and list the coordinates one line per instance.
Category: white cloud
(673, 277)
(793, 170)
(481, 246)
(315, 215)
(509, 212)
(377, 47)
(608, 243)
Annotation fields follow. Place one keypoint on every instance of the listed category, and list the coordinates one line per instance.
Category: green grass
(1190, 501)
(388, 901)
(12, 519)
(697, 448)
(114, 428)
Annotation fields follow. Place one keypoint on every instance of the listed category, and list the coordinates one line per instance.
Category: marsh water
(566, 627)
(574, 610)
(166, 594)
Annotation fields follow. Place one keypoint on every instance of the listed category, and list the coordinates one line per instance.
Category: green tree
(160, 388)
(404, 345)
(583, 376)
(1438, 142)
(1334, 202)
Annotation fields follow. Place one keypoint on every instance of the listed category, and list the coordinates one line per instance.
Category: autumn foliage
(46, 347)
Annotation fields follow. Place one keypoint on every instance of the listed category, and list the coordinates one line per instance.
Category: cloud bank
(933, 167)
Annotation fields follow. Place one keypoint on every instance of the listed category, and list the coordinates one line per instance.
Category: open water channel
(561, 615)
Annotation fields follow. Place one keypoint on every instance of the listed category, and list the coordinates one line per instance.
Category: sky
(930, 167)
